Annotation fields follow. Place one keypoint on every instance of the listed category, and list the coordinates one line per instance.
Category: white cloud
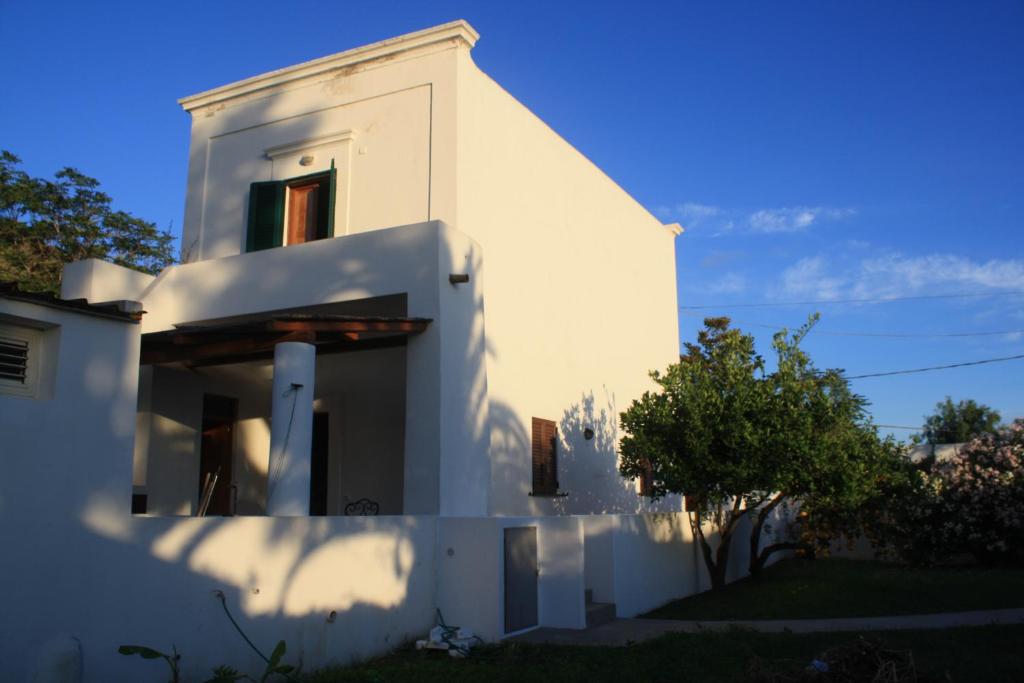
(894, 275)
(693, 215)
(730, 283)
(808, 278)
(794, 219)
(720, 221)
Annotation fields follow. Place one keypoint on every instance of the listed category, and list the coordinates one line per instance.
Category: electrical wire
(937, 367)
(884, 300)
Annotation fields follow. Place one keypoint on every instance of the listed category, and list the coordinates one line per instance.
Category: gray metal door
(520, 578)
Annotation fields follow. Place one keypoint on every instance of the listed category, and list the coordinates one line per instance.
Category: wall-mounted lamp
(588, 433)
(306, 160)
(458, 278)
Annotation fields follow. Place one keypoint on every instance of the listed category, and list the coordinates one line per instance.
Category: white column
(291, 430)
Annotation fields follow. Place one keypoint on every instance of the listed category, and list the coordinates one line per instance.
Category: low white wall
(656, 561)
(599, 556)
(150, 581)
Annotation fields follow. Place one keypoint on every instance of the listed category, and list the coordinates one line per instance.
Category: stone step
(600, 613)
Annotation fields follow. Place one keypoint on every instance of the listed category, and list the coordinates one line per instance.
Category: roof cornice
(458, 31)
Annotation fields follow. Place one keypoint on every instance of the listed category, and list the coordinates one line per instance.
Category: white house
(385, 380)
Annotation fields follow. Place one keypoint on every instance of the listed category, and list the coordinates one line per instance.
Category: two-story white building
(384, 380)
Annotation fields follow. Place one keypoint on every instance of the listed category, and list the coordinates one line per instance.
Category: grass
(801, 589)
(991, 653)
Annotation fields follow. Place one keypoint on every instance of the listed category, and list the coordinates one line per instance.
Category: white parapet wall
(99, 281)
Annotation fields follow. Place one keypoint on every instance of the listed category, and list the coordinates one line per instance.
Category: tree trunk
(759, 556)
(717, 562)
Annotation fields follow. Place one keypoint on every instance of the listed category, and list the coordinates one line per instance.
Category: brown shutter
(545, 457)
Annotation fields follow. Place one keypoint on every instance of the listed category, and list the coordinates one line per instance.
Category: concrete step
(600, 613)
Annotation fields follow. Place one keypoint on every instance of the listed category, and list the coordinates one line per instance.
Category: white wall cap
(458, 30)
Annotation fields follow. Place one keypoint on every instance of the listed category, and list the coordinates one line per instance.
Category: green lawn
(802, 589)
(991, 653)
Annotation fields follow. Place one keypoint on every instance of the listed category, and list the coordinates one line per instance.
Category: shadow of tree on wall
(589, 468)
(325, 585)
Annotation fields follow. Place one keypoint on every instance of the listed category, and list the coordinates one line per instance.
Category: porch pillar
(291, 430)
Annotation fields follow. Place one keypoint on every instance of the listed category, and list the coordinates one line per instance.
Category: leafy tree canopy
(741, 442)
(45, 224)
(958, 422)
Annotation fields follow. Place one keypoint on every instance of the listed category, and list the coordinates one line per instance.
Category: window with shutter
(292, 211)
(545, 457)
(19, 360)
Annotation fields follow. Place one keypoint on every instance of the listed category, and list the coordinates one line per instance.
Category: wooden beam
(199, 352)
(404, 326)
(322, 349)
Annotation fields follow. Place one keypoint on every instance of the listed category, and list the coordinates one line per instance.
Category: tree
(957, 422)
(701, 435)
(45, 224)
(742, 443)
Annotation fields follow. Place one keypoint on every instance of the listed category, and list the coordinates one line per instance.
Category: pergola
(249, 339)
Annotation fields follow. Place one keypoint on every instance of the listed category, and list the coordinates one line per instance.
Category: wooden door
(318, 466)
(215, 453)
(520, 578)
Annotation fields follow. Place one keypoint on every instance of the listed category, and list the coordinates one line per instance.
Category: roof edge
(458, 30)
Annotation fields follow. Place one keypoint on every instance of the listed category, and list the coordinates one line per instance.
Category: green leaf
(275, 656)
(142, 651)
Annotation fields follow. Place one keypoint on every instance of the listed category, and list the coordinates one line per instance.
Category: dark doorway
(520, 578)
(215, 453)
(318, 466)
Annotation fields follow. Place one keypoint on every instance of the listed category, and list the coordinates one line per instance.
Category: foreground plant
(149, 653)
(221, 674)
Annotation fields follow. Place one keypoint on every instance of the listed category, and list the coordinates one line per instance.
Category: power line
(895, 335)
(937, 367)
(850, 301)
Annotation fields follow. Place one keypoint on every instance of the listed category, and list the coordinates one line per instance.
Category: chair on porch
(362, 507)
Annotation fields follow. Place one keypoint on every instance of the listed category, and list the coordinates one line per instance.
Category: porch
(285, 413)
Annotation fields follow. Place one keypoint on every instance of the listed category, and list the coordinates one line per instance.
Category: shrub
(972, 503)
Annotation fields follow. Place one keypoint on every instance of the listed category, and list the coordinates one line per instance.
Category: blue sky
(814, 151)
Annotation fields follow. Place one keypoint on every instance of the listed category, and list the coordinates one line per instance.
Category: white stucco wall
(581, 299)
(99, 281)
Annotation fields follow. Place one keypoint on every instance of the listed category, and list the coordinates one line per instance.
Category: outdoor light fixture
(588, 433)
(306, 160)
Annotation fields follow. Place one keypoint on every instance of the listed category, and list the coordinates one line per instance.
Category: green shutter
(327, 200)
(266, 216)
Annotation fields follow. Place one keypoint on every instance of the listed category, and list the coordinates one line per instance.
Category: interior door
(215, 452)
(520, 578)
(318, 466)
